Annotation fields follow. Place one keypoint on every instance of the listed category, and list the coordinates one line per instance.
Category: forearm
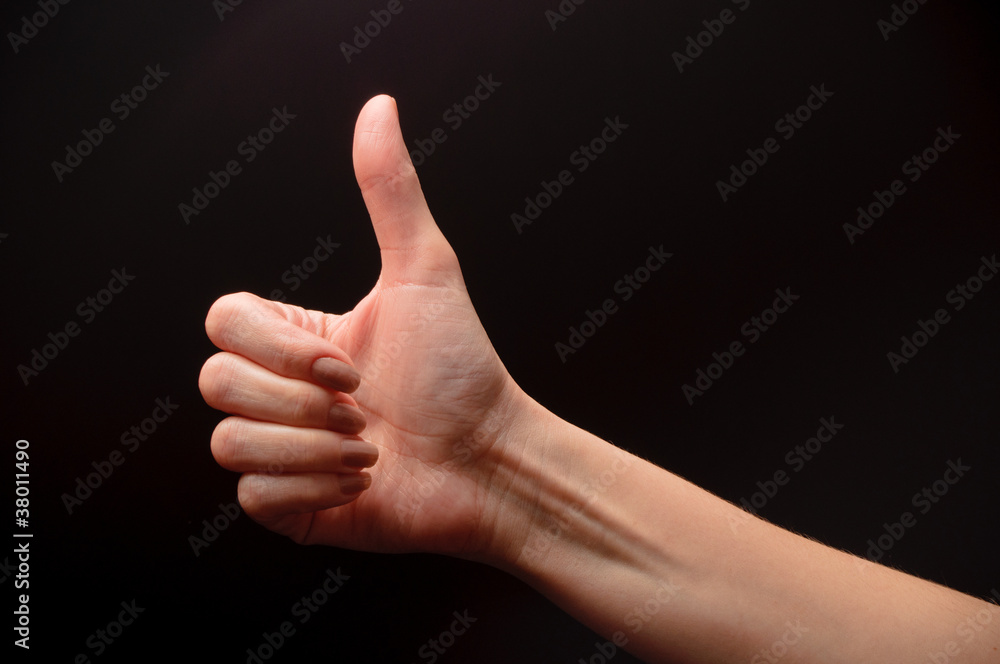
(673, 573)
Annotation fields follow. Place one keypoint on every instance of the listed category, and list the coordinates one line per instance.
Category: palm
(430, 378)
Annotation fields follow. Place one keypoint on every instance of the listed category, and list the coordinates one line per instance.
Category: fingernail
(358, 453)
(336, 374)
(345, 419)
(351, 484)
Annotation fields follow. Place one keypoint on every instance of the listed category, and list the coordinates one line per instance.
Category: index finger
(260, 330)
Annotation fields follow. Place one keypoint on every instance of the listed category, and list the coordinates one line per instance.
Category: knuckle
(224, 314)
(254, 496)
(305, 407)
(290, 354)
(217, 378)
(227, 442)
(405, 175)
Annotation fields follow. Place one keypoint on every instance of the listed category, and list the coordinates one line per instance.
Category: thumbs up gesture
(383, 428)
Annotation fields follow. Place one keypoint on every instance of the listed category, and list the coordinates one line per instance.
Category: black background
(655, 185)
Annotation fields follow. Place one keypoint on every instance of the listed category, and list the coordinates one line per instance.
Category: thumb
(413, 248)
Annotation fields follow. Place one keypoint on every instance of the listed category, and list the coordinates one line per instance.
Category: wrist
(544, 495)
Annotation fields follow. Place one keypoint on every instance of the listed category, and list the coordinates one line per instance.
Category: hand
(437, 401)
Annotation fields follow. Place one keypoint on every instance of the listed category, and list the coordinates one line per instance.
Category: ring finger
(246, 445)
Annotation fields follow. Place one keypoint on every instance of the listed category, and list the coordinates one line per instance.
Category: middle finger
(238, 386)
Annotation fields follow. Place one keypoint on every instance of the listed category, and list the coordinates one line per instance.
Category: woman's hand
(412, 371)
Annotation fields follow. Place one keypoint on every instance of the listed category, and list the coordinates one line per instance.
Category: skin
(469, 465)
